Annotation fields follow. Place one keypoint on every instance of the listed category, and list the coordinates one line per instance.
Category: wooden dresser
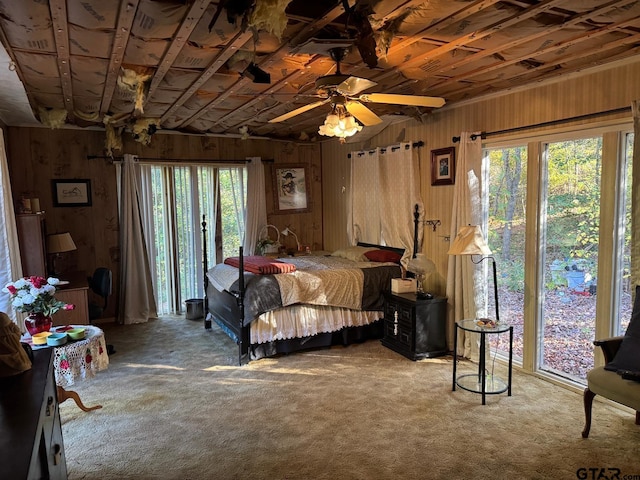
(31, 442)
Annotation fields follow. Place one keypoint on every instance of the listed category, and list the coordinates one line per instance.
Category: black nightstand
(415, 327)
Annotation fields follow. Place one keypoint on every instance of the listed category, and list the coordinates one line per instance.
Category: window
(178, 197)
(552, 282)
(507, 169)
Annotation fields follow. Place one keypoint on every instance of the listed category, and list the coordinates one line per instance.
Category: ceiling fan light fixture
(339, 124)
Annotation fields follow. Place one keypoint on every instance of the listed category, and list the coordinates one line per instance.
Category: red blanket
(261, 265)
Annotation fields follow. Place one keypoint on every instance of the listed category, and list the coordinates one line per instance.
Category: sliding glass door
(570, 228)
(507, 169)
(553, 209)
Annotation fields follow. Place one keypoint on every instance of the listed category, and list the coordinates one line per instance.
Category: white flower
(17, 302)
(28, 299)
(53, 281)
(21, 282)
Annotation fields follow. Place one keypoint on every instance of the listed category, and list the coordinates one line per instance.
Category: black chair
(100, 284)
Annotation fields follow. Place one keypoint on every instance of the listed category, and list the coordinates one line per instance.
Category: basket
(264, 235)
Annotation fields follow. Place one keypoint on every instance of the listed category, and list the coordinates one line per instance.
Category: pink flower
(12, 290)
(69, 306)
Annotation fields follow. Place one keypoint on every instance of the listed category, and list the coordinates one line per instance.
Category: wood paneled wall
(585, 94)
(38, 155)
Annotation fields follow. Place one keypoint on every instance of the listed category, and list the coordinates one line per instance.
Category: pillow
(355, 254)
(383, 256)
(628, 356)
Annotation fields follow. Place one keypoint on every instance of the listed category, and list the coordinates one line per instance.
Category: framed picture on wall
(443, 166)
(71, 193)
(290, 189)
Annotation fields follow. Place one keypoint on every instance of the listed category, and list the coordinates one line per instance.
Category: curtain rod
(484, 135)
(393, 148)
(176, 160)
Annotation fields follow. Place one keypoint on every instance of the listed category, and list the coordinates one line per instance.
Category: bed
(296, 303)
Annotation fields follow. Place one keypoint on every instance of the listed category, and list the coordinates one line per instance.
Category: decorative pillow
(383, 256)
(355, 254)
(628, 356)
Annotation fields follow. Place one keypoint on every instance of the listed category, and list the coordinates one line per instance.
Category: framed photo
(290, 189)
(71, 193)
(443, 166)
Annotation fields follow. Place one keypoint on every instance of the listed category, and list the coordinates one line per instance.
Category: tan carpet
(177, 406)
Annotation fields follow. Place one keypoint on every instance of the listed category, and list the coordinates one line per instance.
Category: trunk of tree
(512, 167)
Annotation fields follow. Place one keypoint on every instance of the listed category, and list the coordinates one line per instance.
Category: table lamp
(57, 244)
(288, 231)
(470, 241)
(421, 267)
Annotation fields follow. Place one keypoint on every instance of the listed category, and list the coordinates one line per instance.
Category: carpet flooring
(177, 406)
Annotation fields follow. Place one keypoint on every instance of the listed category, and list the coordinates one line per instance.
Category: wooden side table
(75, 293)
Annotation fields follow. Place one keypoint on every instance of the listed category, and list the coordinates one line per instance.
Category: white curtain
(384, 191)
(364, 212)
(465, 290)
(137, 302)
(399, 194)
(256, 216)
(635, 197)
(10, 266)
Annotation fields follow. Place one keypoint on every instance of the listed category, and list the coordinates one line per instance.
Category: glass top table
(482, 382)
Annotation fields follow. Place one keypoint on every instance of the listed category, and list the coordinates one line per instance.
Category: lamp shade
(469, 241)
(60, 242)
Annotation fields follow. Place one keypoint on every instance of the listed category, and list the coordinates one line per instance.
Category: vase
(37, 322)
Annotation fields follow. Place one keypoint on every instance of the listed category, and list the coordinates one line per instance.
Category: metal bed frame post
(205, 267)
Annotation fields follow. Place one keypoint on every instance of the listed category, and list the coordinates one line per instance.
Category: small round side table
(481, 382)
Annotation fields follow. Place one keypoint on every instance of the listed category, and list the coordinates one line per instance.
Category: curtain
(364, 211)
(635, 197)
(256, 216)
(465, 288)
(384, 191)
(137, 302)
(10, 266)
(399, 193)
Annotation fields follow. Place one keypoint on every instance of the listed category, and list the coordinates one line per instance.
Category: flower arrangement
(36, 295)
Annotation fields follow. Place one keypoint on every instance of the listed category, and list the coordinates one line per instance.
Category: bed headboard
(399, 251)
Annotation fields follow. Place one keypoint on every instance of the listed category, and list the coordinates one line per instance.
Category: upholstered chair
(619, 378)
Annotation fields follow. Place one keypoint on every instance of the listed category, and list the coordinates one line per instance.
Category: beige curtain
(137, 302)
(385, 188)
(635, 197)
(10, 266)
(465, 290)
(256, 216)
(399, 186)
(364, 211)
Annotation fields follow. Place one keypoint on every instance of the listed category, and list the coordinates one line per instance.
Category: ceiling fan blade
(362, 113)
(417, 100)
(298, 111)
(354, 85)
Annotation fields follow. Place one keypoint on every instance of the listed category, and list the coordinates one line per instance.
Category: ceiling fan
(342, 92)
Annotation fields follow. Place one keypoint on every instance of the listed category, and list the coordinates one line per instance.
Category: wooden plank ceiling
(182, 65)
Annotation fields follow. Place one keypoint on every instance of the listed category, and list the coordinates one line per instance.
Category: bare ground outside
(569, 329)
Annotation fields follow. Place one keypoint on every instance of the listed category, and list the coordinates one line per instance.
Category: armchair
(609, 384)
